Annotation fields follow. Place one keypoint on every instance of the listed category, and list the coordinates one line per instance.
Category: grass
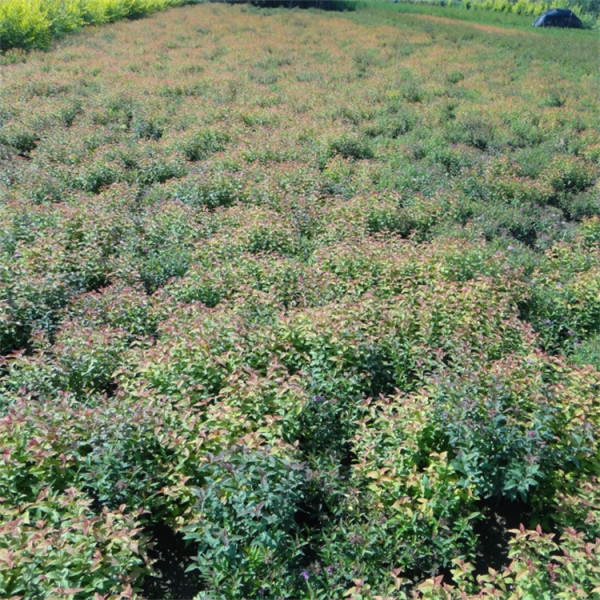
(507, 13)
(474, 15)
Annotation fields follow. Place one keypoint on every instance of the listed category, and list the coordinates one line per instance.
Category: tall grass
(587, 10)
(34, 23)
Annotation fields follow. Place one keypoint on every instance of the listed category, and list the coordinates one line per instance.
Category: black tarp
(558, 17)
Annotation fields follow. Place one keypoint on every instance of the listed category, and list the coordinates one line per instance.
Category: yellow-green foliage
(33, 23)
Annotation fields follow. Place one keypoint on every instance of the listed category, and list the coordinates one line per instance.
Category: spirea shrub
(287, 311)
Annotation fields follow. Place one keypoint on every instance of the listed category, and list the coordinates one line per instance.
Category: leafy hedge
(34, 23)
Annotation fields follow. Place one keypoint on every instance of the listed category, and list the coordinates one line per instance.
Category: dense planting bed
(306, 304)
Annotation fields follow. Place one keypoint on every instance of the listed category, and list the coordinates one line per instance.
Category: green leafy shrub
(153, 170)
(78, 552)
(117, 306)
(392, 125)
(212, 192)
(244, 523)
(569, 174)
(88, 356)
(64, 17)
(95, 178)
(201, 144)
(161, 265)
(33, 24)
(147, 128)
(471, 130)
(425, 514)
(31, 301)
(23, 24)
(19, 137)
(565, 312)
(350, 146)
(509, 445)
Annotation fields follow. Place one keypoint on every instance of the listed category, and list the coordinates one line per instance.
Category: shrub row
(34, 23)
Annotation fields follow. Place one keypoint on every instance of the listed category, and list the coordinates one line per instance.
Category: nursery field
(300, 305)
